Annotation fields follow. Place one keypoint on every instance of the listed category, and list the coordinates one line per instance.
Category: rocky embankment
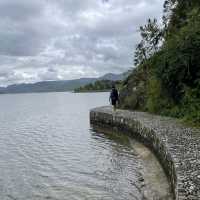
(176, 146)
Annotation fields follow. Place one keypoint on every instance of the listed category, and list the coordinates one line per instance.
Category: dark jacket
(114, 96)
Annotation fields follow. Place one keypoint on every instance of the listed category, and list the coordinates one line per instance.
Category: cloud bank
(67, 39)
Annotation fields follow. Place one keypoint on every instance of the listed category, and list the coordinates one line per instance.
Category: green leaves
(151, 35)
(180, 64)
(167, 77)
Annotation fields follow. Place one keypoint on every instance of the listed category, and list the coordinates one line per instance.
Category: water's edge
(167, 139)
(154, 182)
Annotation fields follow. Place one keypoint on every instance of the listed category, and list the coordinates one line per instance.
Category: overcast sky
(67, 39)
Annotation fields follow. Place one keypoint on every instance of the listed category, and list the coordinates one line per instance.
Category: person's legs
(115, 107)
(114, 104)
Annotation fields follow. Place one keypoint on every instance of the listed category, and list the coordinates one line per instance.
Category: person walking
(114, 97)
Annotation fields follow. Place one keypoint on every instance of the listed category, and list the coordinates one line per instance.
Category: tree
(176, 13)
(151, 35)
(168, 10)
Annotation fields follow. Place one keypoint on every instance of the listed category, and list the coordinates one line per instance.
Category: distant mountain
(114, 77)
(57, 86)
(47, 86)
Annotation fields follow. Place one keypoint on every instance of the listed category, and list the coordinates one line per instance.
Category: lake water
(49, 151)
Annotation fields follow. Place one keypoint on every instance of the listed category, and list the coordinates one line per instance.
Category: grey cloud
(21, 10)
(65, 39)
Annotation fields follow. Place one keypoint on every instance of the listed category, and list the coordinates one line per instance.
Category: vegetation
(166, 79)
(98, 86)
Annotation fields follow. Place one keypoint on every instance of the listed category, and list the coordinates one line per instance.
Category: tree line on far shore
(98, 86)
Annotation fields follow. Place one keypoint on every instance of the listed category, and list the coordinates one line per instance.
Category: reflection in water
(152, 182)
(122, 172)
(49, 152)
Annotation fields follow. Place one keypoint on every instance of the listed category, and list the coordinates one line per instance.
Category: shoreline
(91, 91)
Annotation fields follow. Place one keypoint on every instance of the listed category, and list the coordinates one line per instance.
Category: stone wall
(176, 146)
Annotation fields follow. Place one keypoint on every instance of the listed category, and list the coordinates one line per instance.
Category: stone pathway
(176, 146)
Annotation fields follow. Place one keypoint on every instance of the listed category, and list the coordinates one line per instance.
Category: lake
(49, 151)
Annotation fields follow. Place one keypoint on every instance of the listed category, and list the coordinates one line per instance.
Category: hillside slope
(166, 79)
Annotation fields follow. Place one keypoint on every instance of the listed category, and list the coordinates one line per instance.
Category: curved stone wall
(176, 146)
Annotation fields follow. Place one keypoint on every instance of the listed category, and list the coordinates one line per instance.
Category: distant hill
(104, 83)
(115, 77)
(112, 77)
(47, 86)
(57, 86)
(98, 86)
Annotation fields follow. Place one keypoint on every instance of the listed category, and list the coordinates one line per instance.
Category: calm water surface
(48, 151)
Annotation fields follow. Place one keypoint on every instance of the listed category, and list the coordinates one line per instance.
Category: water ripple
(48, 151)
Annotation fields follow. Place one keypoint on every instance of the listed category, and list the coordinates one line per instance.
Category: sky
(44, 40)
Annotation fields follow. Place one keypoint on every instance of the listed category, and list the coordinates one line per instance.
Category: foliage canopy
(168, 59)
